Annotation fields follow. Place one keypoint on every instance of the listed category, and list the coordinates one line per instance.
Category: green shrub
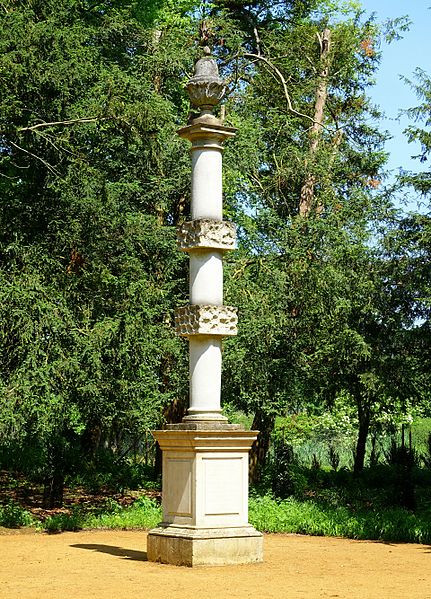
(311, 518)
(63, 522)
(421, 430)
(13, 515)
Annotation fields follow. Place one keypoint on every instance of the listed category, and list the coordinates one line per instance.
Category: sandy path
(109, 564)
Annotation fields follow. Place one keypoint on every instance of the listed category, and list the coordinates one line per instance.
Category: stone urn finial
(205, 88)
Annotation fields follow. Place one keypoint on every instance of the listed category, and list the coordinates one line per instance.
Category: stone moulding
(206, 320)
(206, 134)
(206, 233)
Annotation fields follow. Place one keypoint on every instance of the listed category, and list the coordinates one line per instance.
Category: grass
(143, 513)
(274, 516)
(312, 518)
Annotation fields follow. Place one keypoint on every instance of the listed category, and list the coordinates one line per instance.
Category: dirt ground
(113, 565)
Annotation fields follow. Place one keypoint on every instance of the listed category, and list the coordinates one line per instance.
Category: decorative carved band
(206, 233)
(206, 320)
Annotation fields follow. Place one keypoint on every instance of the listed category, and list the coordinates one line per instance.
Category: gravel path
(112, 565)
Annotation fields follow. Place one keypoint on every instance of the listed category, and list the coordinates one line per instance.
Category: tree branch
(63, 123)
(280, 76)
(48, 166)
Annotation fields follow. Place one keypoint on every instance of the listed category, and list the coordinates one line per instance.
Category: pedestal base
(205, 547)
(205, 497)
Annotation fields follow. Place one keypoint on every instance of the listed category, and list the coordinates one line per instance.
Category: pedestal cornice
(205, 440)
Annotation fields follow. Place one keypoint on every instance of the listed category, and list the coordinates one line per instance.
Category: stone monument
(205, 459)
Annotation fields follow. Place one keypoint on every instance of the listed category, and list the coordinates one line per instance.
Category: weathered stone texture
(206, 233)
(206, 320)
(205, 547)
(205, 88)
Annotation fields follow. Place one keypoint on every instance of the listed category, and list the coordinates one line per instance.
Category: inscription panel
(178, 494)
(223, 486)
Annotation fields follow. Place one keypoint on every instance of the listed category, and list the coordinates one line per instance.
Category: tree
(92, 176)
(309, 183)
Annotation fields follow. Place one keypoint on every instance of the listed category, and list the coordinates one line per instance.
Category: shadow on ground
(139, 556)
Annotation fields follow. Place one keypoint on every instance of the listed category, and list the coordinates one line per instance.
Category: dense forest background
(331, 276)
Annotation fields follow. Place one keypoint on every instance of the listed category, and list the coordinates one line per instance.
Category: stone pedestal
(205, 498)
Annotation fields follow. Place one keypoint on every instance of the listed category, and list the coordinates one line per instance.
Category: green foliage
(94, 178)
(292, 516)
(62, 522)
(144, 513)
(89, 272)
(13, 515)
(106, 471)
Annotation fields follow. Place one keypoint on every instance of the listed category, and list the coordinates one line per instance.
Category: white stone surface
(205, 472)
(205, 500)
(207, 199)
(205, 477)
(206, 278)
(205, 377)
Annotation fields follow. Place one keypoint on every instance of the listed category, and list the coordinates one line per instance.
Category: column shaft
(207, 199)
(205, 377)
(206, 277)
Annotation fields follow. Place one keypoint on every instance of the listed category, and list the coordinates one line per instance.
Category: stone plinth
(205, 498)
(205, 547)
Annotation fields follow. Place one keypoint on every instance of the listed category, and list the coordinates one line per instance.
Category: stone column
(206, 237)
(205, 459)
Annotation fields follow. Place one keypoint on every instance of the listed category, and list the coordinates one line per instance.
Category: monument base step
(204, 547)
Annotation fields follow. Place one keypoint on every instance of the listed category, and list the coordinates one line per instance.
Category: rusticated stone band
(206, 320)
(206, 233)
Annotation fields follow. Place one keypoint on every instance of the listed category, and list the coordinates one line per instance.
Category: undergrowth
(265, 513)
(311, 518)
(12, 515)
(143, 513)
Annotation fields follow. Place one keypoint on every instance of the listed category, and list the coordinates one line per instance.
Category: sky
(401, 58)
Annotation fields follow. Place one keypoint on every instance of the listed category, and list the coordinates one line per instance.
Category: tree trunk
(91, 439)
(175, 411)
(158, 460)
(53, 490)
(364, 427)
(307, 190)
(263, 423)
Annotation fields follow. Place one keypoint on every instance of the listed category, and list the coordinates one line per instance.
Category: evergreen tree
(92, 180)
(311, 160)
